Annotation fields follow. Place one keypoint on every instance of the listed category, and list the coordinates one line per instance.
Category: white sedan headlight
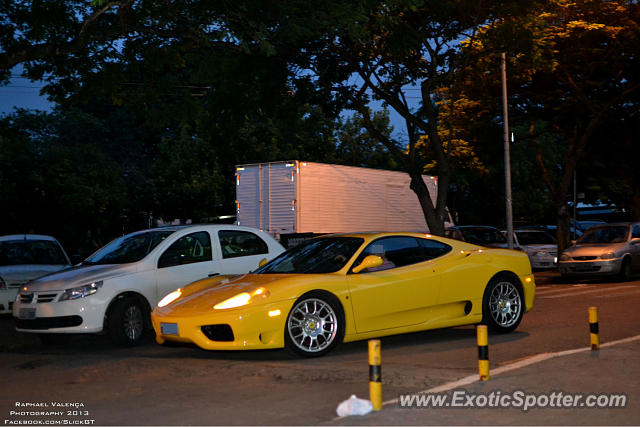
(608, 255)
(80, 291)
(241, 299)
(565, 257)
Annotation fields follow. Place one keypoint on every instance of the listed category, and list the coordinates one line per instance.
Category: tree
(373, 51)
(572, 69)
(55, 178)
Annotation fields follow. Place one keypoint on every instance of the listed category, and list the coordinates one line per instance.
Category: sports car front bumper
(244, 328)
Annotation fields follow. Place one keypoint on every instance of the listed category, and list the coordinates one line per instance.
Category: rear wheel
(315, 325)
(502, 305)
(126, 321)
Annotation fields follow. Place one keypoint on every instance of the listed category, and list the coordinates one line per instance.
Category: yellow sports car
(351, 287)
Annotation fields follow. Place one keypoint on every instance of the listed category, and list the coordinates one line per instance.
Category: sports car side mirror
(262, 262)
(369, 261)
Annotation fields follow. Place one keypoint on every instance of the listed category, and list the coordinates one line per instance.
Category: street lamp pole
(507, 159)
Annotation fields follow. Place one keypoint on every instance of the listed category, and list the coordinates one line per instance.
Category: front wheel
(126, 322)
(502, 305)
(625, 270)
(315, 325)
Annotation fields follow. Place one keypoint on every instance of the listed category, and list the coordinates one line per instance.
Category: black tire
(315, 324)
(126, 321)
(625, 270)
(503, 304)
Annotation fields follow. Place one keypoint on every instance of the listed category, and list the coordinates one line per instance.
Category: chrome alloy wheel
(133, 322)
(312, 325)
(505, 304)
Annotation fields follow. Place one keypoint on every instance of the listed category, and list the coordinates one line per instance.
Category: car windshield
(614, 234)
(32, 252)
(535, 238)
(316, 256)
(482, 236)
(130, 248)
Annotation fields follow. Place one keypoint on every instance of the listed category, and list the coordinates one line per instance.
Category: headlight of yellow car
(241, 299)
(171, 297)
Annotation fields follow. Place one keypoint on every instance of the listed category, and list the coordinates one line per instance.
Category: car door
(240, 251)
(187, 259)
(398, 293)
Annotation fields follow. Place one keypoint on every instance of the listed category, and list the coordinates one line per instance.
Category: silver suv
(607, 249)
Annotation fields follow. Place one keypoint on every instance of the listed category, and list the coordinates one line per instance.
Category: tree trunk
(562, 210)
(435, 224)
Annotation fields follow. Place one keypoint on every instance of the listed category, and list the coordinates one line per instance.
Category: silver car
(24, 257)
(540, 246)
(608, 249)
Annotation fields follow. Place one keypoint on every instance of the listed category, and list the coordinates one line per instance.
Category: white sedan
(115, 288)
(24, 257)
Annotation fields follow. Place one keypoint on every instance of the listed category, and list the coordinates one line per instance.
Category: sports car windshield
(317, 256)
(130, 248)
(616, 234)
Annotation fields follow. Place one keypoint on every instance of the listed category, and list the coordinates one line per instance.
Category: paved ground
(178, 385)
(600, 373)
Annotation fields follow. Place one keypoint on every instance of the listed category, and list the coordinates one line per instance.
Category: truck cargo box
(305, 197)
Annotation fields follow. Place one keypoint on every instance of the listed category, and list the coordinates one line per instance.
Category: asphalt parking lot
(178, 385)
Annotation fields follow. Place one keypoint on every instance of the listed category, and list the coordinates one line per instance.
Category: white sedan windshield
(130, 248)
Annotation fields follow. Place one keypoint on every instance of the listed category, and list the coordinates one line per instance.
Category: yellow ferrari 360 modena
(350, 287)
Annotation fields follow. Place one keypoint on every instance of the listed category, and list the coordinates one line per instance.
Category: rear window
(482, 236)
(32, 252)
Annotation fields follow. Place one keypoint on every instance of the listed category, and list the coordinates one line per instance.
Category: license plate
(169, 328)
(27, 313)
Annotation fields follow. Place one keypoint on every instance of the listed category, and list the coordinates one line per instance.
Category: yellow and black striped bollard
(375, 375)
(593, 328)
(483, 352)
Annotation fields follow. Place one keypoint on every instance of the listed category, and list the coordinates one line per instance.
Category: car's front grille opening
(218, 332)
(47, 297)
(26, 298)
(49, 322)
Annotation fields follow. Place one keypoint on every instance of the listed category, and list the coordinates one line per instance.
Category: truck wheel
(126, 321)
(502, 304)
(625, 270)
(315, 325)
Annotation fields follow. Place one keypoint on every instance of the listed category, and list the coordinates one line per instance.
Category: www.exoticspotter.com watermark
(517, 399)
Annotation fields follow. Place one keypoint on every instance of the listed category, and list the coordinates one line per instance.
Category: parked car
(114, 289)
(24, 257)
(482, 235)
(540, 246)
(607, 249)
(351, 287)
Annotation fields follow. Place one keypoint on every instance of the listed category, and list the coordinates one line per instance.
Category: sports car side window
(234, 243)
(194, 247)
(434, 249)
(396, 251)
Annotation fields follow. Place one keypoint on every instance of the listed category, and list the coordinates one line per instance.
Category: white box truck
(296, 197)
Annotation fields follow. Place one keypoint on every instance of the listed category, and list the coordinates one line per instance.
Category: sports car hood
(593, 249)
(201, 296)
(15, 274)
(80, 276)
